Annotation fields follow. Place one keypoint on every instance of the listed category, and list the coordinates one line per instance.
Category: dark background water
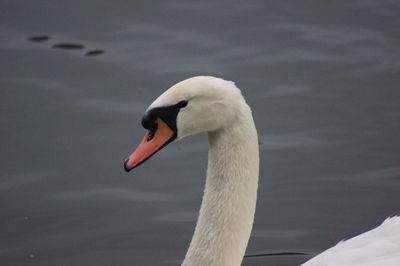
(322, 79)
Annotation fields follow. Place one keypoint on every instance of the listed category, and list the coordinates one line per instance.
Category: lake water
(321, 77)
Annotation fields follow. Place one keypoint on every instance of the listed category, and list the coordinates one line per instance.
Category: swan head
(198, 104)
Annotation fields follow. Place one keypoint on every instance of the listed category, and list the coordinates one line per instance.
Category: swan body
(377, 247)
(217, 107)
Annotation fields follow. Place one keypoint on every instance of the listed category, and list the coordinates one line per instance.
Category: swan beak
(154, 140)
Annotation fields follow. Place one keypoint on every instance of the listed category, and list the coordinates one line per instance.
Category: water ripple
(115, 106)
(22, 179)
(178, 217)
(292, 140)
(117, 193)
(390, 174)
(278, 233)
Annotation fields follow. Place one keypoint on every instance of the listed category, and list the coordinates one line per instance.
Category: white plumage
(227, 211)
(377, 247)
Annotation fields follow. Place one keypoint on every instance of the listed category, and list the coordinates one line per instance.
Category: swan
(216, 106)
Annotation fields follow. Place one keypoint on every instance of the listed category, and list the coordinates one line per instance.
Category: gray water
(321, 77)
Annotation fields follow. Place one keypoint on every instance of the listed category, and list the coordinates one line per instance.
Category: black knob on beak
(148, 120)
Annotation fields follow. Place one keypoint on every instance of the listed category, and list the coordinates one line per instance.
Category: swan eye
(182, 104)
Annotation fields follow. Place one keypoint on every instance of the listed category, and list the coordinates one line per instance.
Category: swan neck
(228, 206)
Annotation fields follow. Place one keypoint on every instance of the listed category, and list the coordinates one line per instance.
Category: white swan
(216, 106)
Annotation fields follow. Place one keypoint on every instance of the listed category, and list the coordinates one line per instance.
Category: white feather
(227, 211)
(377, 247)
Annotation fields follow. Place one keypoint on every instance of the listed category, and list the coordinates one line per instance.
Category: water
(322, 79)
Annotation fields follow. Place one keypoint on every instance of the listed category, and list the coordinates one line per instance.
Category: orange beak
(154, 140)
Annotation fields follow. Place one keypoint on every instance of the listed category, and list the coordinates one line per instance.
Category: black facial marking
(152, 132)
(148, 120)
(167, 114)
(183, 104)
